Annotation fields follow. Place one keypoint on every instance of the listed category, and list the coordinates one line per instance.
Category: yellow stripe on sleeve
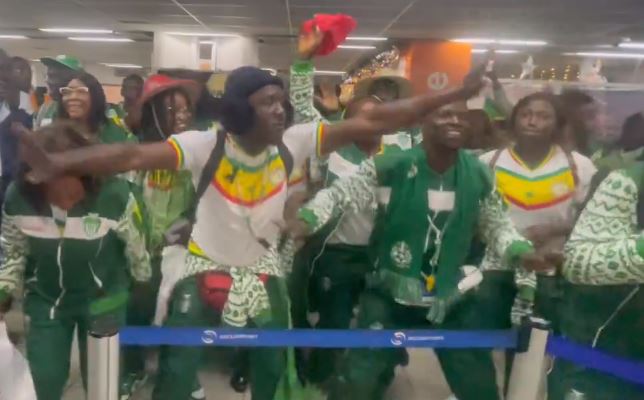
(178, 151)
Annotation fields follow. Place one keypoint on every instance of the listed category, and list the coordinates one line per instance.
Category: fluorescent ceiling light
(203, 34)
(367, 38)
(522, 42)
(501, 41)
(75, 30)
(324, 72)
(473, 41)
(13, 37)
(503, 51)
(100, 39)
(607, 55)
(120, 65)
(632, 45)
(352, 47)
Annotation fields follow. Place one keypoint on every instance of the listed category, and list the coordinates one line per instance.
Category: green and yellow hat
(66, 61)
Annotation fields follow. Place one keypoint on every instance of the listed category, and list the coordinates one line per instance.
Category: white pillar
(529, 366)
(230, 53)
(103, 367)
(173, 51)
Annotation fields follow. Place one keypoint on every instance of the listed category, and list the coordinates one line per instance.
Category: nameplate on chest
(438, 200)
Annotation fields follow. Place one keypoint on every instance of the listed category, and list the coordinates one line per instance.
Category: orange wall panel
(436, 65)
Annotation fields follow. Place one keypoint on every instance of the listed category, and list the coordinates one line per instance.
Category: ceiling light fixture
(100, 39)
(324, 72)
(598, 54)
(496, 51)
(121, 65)
(13, 37)
(632, 45)
(500, 41)
(367, 38)
(74, 30)
(203, 34)
(353, 47)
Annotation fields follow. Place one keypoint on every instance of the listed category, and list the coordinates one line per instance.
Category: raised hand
(309, 43)
(474, 81)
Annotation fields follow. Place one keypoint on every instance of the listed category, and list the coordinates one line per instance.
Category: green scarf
(403, 226)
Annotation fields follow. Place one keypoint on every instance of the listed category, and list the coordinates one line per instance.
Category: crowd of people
(275, 202)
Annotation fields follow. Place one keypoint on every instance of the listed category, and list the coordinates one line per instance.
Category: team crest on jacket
(91, 224)
(401, 255)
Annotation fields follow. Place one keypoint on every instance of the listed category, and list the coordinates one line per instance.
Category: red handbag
(336, 28)
(214, 287)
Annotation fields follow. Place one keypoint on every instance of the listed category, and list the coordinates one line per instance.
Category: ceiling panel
(565, 23)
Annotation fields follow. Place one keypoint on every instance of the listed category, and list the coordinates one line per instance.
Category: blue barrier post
(529, 366)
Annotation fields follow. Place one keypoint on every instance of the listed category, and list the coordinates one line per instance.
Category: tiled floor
(421, 380)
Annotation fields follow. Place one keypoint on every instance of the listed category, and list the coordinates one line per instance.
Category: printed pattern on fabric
(533, 193)
(248, 298)
(603, 247)
(135, 245)
(15, 247)
(301, 93)
(250, 186)
(347, 195)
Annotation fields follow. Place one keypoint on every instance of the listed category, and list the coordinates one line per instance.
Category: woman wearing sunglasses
(83, 101)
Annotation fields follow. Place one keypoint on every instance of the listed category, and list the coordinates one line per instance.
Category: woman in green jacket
(74, 244)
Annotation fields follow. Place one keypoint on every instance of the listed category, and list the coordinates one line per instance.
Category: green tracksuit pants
(140, 312)
(49, 345)
(365, 374)
(178, 365)
(489, 307)
(337, 281)
(617, 311)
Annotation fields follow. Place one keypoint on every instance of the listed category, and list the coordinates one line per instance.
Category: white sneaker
(452, 397)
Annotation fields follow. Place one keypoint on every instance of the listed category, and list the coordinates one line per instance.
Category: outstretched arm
(352, 193)
(389, 117)
(102, 159)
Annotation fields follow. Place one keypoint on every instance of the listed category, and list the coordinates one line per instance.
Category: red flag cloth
(336, 28)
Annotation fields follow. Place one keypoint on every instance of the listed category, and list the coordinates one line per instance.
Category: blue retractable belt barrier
(628, 370)
(317, 338)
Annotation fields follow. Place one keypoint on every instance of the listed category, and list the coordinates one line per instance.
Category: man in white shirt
(236, 245)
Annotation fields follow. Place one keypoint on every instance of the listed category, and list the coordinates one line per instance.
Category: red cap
(156, 84)
(336, 28)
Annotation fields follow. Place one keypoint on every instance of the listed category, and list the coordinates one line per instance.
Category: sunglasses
(66, 91)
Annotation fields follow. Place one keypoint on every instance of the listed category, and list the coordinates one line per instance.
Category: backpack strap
(495, 158)
(287, 159)
(208, 171)
(573, 167)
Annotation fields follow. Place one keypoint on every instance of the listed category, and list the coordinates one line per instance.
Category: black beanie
(244, 81)
(237, 114)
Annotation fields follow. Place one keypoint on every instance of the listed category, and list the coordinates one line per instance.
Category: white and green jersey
(352, 228)
(70, 258)
(606, 246)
